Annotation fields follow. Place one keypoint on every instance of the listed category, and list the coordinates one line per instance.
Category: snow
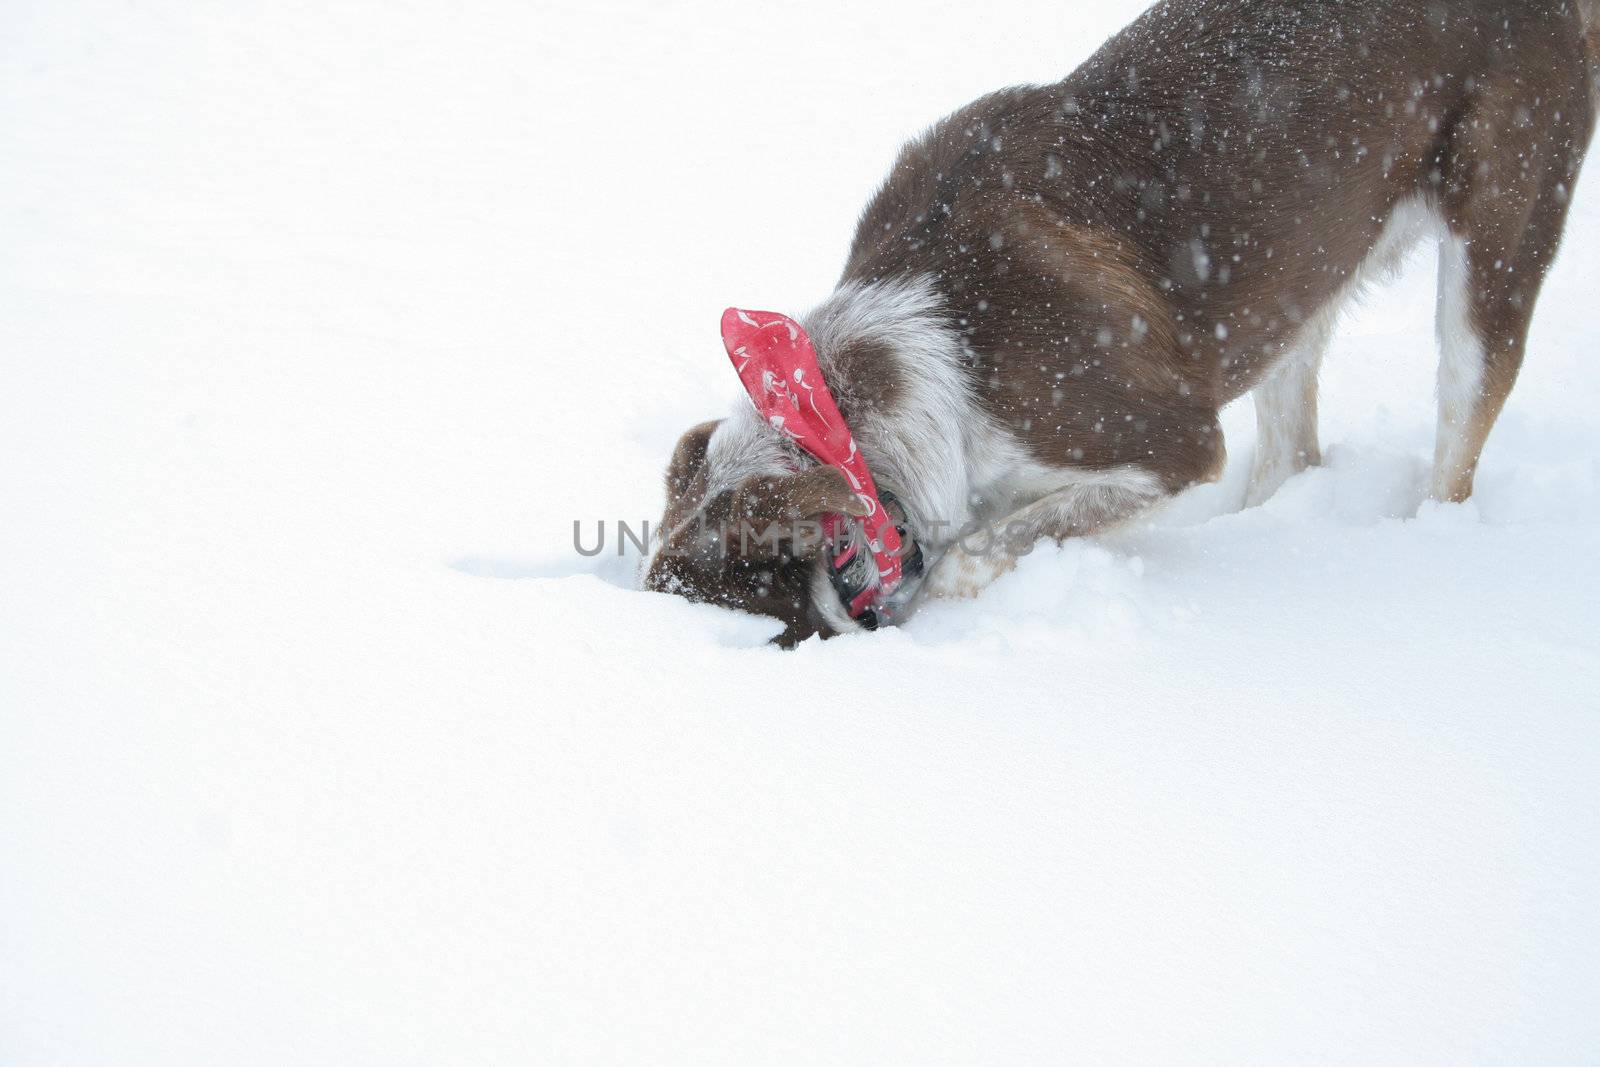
(320, 324)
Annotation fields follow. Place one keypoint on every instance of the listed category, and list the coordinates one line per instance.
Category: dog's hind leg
(1505, 203)
(1470, 398)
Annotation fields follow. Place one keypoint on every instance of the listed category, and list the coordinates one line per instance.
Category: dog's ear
(810, 494)
(686, 472)
(689, 456)
(778, 514)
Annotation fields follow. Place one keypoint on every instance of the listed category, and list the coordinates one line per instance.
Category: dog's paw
(962, 575)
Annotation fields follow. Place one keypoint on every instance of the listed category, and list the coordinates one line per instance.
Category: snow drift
(320, 744)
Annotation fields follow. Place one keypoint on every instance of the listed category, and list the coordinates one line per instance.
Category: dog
(1058, 287)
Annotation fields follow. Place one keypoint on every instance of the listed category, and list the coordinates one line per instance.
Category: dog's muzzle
(851, 570)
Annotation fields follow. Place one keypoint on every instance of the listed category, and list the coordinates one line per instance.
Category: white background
(320, 323)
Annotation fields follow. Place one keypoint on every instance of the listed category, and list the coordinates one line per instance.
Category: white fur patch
(1286, 413)
(741, 446)
(828, 603)
(1461, 362)
(921, 446)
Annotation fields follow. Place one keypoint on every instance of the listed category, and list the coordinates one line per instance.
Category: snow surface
(320, 323)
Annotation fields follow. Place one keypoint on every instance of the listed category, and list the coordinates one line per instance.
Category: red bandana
(778, 367)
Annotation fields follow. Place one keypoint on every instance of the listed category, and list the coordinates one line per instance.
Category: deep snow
(320, 324)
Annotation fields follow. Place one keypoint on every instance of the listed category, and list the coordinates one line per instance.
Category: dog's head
(747, 535)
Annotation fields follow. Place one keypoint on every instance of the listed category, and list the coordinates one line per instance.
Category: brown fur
(867, 378)
(1590, 12)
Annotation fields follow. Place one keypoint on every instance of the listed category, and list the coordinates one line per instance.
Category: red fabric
(778, 367)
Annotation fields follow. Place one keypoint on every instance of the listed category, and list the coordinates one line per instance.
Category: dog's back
(1190, 205)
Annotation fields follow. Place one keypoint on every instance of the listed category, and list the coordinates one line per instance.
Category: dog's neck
(891, 355)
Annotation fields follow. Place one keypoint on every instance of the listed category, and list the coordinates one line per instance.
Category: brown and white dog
(1058, 287)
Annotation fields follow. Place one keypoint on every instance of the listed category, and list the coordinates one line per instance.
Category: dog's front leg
(1094, 501)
